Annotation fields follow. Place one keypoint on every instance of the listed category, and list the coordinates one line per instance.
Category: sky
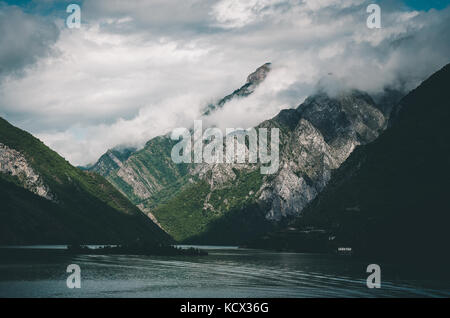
(138, 69)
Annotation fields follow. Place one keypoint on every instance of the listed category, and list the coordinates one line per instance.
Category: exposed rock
(259, 75)
(88, 209)
(14, 163)
(315, 138)
(253, 80)
(326, 134)
(389, 199)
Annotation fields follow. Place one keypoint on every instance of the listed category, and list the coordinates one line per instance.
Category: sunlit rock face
(315, 138)
(14, 163)
(327, 132)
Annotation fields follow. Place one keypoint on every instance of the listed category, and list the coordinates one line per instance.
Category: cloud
(138, 69)
(151, 18)
(24, 39)
(239, 13)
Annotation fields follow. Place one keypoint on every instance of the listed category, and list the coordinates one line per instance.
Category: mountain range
(389, 199)
(230, 203)
(355, 170)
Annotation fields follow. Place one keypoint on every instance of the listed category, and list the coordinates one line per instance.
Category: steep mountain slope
(231, 203)
(327, 131)
(149, 177)
(140, 175)
(389, 200)
(46, 200)
(228, 203)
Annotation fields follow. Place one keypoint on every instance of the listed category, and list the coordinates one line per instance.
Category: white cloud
(316, 5)
(137, 69)
(24, 38)
(238, 13)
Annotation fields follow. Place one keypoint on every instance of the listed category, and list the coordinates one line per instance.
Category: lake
(225, 272)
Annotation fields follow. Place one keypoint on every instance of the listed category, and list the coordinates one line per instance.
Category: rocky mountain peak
(253, 80)
(260, 74)
(347, 113)
(316, 138)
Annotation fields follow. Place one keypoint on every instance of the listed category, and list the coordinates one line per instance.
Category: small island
(136, 249)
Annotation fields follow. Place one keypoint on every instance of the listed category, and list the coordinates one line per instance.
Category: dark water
(226, 272)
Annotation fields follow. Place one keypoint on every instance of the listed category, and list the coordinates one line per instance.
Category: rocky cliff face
(389, 199)
(145, 174)
(315, 138)
(327, 132)
(45, 200)
(140, 175)
(113, 159)
(259, 75)
(14, 163)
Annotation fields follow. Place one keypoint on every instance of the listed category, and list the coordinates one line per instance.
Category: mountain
(45, 200)
(227, 204)
(230, 203)
(148, 177)
(325, 130)
(253, 80)
(389, 200)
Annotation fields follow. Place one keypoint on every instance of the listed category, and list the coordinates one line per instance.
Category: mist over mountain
(139, 71)
(253, 80)
(388, 200)
(228, 203)
(224, 149)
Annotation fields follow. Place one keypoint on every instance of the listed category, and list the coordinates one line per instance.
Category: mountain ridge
(328, 140)
(388, 200)
(77, 207)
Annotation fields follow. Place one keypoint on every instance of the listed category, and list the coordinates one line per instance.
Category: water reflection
(226, 272)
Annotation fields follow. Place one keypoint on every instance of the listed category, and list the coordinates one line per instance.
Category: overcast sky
(137, 69)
